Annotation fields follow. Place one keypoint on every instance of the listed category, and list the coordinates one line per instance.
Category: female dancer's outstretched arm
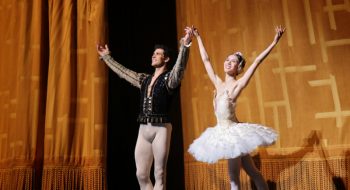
(244, 80)
(205, 58)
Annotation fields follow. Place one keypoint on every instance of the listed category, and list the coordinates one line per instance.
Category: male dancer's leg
(161, 146)
(143, 159)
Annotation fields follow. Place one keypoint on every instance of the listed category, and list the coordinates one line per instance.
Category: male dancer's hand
(102, 50)
(188, 37)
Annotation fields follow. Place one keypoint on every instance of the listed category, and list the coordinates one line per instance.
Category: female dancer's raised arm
(205, 58)
(244, 80)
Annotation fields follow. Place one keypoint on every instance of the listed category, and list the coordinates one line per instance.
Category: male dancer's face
(158, 58)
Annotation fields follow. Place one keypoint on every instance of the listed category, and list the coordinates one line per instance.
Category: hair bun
(239, 53)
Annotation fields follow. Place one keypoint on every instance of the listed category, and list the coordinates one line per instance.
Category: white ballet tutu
(230, 141)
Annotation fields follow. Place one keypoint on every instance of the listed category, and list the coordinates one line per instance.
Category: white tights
(249, 166)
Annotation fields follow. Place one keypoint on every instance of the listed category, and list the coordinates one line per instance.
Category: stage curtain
(53, 95)
(301, 89)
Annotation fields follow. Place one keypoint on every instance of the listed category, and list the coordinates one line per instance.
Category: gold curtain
(301, 89)
(53, 95)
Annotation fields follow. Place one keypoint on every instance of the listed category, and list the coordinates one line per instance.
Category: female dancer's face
(231, 65)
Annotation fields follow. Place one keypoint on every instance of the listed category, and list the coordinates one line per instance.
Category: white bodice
(224, 108)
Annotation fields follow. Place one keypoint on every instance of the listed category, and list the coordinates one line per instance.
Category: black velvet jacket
(155, 108)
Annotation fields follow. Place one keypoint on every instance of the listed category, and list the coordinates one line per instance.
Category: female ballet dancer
(231, 139)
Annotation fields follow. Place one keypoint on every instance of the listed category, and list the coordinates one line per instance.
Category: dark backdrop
(134, 29)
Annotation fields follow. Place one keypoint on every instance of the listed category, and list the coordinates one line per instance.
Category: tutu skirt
(231, 141)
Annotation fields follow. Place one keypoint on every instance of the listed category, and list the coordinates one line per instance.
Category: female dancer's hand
(279, 32)
(195, 31)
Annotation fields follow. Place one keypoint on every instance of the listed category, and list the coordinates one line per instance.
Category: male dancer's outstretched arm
(177, 73)
(132, 77)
